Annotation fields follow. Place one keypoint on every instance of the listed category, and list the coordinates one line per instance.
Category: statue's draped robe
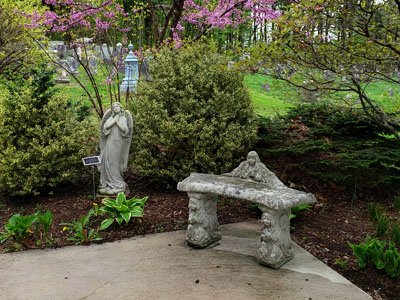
(259, 172)
(112, 156)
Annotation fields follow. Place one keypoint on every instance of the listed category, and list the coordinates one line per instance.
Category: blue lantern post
(131, 71)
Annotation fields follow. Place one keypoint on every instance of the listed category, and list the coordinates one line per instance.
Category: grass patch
(278, 100)
(281, 97)
(74, 92)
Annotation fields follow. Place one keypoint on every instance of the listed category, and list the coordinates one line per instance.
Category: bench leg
(203, 224)
(276, 245)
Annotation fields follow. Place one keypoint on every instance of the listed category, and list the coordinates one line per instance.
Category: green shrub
(331, 120)
(335, 144)
(194, 115)
(41, 142)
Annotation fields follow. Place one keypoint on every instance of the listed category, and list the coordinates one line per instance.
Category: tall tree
(340, 45)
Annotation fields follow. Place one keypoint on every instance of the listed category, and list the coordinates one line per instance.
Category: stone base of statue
(276, 244)
(203, 224)
(111, 192)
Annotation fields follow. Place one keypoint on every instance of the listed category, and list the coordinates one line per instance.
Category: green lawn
(278, 100)
(379, 91)
(75, 92)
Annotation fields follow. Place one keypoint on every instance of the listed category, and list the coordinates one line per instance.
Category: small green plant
(394, 232)
(45, 220)
(254, 205)
(373, 252)
(81, 234)
(160, 229)
(296, 209)
(96, 211)
(375, 210)
(392, 260)
(378, 214)
(396, 203)
(368, 252)
(382, 224)
(122, 209)
(343, 264)
(222, 202)
(18, 228)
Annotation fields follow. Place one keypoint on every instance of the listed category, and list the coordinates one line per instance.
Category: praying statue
(115, 139)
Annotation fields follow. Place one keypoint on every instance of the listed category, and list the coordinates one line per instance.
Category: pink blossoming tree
(108, 22)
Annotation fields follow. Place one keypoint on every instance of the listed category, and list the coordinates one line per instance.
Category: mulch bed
(324, 231)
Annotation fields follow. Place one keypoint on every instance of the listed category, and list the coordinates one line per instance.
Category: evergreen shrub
(334, 121)
(194, 115)
(41, 141)
(333, 143)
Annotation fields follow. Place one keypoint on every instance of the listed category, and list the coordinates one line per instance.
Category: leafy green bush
(41, 142)
(194, 115)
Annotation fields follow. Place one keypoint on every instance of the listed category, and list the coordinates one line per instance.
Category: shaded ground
(324, 230)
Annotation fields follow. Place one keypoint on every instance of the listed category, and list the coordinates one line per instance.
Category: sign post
(92, 161)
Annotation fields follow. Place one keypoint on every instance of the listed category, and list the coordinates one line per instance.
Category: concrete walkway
(161, 266)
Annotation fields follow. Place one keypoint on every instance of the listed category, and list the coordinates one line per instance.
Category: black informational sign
(93, 160)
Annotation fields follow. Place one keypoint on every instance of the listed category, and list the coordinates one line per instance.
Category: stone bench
(274, 198)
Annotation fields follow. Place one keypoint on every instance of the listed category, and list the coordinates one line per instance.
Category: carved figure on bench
(254, 169)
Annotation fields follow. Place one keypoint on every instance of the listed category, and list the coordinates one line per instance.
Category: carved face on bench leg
(276, 245)
(203, 223)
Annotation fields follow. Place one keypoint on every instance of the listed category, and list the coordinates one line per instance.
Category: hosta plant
(375, 252)
(122, 209)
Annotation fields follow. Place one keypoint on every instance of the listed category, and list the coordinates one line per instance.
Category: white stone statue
(115, 139)
(254, 169)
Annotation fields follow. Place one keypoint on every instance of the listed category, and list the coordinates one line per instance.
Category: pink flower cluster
(102, 25)
(229, 12)
(79, 15)
(205, 14)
